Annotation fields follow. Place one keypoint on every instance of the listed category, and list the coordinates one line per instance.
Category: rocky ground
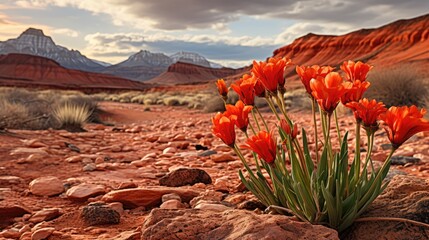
(103, 183)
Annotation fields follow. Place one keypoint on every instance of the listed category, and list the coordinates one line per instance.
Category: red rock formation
(32, 71)
(403, 41)
(186, 73)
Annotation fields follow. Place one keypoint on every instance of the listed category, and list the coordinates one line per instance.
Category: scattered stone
(21, 150)
(89, 167)
(169, 150)
(7, 181)
(99, 214)
(235, 198)
(251, 205)
(221, 184)
(72, 147)
(232, 224)
(405, 197)
(84, 191)
(207, 153)
(402, 160)
(146, 197)
(172, 204)
(10, 234)
(74, 159)
(185, 176)
(200, 147)
(226, 157)
(128, 235)
(117, 206)
(125, 185)
(8, 213)
(46, 214)
(46, 186)
(171, 196)
(211, 206)
(42, 233)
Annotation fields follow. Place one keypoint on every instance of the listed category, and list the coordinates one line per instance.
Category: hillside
(32, 71)
(400, 42)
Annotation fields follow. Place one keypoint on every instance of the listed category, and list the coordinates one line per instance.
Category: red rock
(42, 233)
(45, 215)
(172, 204)
(223, 158)
(8, 213)
(202, 205)
(84, 191)
(46, 186)
(232, 224)
(146, 197)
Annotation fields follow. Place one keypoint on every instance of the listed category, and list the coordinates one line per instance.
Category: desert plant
(399, 86)
(72, 116)
(321, 189)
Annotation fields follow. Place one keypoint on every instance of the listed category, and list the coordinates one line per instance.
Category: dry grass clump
(23, 109)
(71, 116)
(398, 87)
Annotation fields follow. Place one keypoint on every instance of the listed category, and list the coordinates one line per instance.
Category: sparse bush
(72, 116)
(22, 109)
(171, 101)
(397, 87)
(12, 114)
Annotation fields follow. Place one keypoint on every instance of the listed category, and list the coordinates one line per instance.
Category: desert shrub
(171, 101)
(71, 116)
(12, 114)
(397, 87)
(138, 99)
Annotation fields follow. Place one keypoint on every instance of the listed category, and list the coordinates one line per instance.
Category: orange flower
(355, 93)
(223, 127)
(403, 122)
(356, 71)
(259, 89)
(328, 91)
(221, 87)
(271, 73)
(308, 73)
(288, 130)
(264, 145)
(241, 112)
(367, 111)
(245, 89)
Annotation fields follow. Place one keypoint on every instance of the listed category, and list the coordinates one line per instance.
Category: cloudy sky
(230, 32)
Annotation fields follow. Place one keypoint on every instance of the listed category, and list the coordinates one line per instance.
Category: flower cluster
(323, 189)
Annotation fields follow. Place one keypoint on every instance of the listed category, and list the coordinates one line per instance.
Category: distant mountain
(190, 57)
(22, 70)
(141, 66)
(146, 65)
(34, 42)
(187, 73)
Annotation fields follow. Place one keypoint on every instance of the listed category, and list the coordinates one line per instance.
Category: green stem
(263, 119)
(337, 127)
(254, 156)
(256, 120)
(272, 107)
(357, 152)
(370, 147)
(313, 108)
